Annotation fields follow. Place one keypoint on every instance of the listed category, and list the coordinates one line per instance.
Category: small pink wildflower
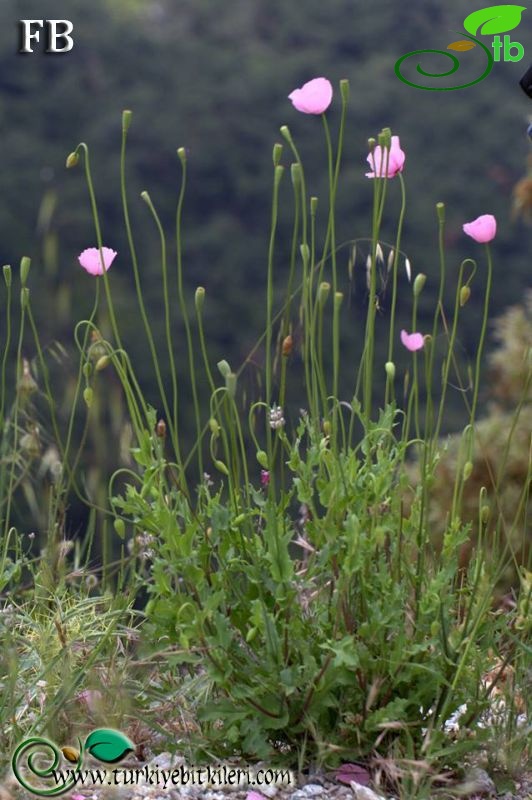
(264, 477)
(314, 97)
(482, 229)
(255, 796)
(380, 158)
(412, 341)
(91, 260)
(77, 797)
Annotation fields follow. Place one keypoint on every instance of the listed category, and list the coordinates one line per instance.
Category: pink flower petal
(352, 772)
(314, 97)
(412, 341)
(378, 160)
(77, 797)
(255, 796)
(91, 260)
(482, 229)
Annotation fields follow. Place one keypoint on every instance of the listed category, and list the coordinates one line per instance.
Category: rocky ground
(478, 786)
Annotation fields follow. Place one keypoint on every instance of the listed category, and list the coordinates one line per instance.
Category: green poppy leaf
(462, 45)
(494, 19)
(108, 745)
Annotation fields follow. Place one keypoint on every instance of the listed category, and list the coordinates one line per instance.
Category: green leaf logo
(107, 745)
(494, 19)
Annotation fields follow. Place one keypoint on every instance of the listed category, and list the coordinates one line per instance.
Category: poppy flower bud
(440, 211)
(390, 370)
(182, 155)
(286, 347)
(326, 427)
(285, 133)
(102, 363)
(127, 116)
(262, 458)
(484, 513)
(119, 527)
(381, 139)
(160, 429)
(214, 427)
(419, 283)
(88, 396)
(371, 144)
(7, 274)
(465, 294)
(72, 160)
(199, 298)
(468, 469)
(277, 153)
(220, 466)
(224, 368)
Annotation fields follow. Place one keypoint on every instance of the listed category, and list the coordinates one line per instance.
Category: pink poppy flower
(91, 260)
(412, 341)
(264, 477)
(394, 158)
(482, 229)
(314, 97)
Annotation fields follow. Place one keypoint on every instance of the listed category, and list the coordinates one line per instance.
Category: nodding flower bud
(344, 89)
(468, 469)
(262, 458)
(160, 429)
(127, 116)
(102, 363)
(119, 527)
(199, 298)
(230, 384)
(220, 466)
(323, 292)
(295, 173)
(440, 211)
(224, 368)
(72, 160)
(484, 513)
(7, 274)
(465, 294)
(146, 197)
(25, 264)
(313, 206)
(214, 427)
(182, 155)
(277, 153)
(390, 370)
(286, 347)
(88, 396)
(419, 283)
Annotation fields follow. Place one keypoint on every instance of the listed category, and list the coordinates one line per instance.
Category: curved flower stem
(480, 348)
